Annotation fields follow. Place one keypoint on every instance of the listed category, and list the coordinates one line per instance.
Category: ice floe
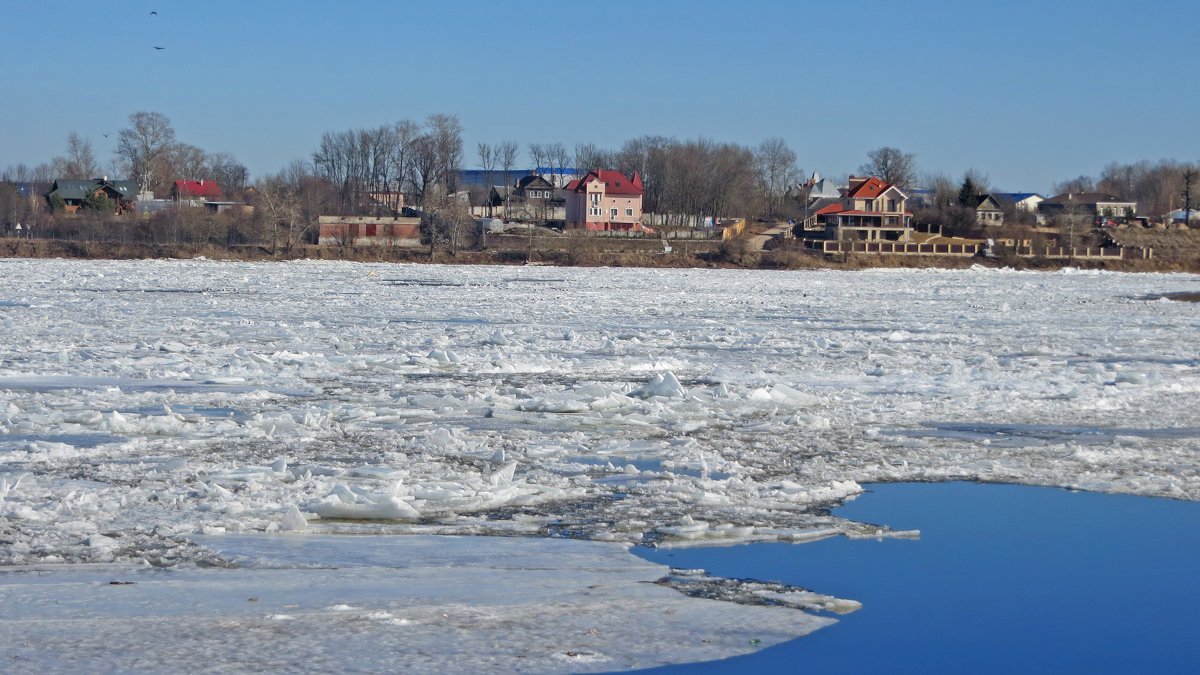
(668, 407)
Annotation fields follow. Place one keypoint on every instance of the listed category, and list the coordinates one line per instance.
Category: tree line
(378, 171)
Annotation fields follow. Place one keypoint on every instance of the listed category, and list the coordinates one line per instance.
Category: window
(629, 212)
(594, 198)
(613, 212)
(595, 211)
(891, 205)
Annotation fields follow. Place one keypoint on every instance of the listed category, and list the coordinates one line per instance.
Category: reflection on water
(1004, 578)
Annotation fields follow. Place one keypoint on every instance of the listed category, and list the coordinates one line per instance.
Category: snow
(414, 604)
(145, 403)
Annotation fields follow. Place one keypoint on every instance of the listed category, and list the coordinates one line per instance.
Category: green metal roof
(79, 189)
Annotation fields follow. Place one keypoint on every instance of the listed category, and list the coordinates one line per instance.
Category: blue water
(1004, 579)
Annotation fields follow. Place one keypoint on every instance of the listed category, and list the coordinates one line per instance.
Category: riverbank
(567, 253)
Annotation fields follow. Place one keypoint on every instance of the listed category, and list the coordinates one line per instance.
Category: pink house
(605, 200)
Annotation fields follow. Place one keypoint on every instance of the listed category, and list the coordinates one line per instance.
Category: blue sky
(1028, 93)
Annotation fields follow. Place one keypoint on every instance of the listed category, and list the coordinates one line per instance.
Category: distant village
(660, 195)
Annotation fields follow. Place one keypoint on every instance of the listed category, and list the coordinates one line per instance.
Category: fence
(891, 248)
(1104, 253)
(701, 234)
(1049, 252)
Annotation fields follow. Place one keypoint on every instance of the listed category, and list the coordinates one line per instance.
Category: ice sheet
(145, 401)
(412, 604)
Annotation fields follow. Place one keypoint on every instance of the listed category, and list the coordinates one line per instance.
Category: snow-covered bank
(145, 402)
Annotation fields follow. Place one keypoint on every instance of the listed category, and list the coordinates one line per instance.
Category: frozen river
(149, 406)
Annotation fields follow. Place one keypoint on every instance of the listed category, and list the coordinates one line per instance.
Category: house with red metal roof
(202, 190)
(605, 201)
(870, 210)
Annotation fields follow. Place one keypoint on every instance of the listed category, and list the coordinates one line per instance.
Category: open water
(1004, 578)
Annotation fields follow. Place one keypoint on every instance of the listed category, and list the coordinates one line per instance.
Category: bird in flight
(104, 135)
(160, 47)
(154, 13)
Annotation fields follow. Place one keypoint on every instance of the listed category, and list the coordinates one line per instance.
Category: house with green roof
(74, 192)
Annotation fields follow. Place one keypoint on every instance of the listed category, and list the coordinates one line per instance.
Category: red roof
(832, 208)
(856, 212)
(197, 188)
(868, 189)
(615, 183)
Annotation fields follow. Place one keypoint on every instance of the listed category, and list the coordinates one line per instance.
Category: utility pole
(1188, 177)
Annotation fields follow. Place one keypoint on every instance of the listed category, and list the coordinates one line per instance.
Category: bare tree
(15, 207)
(277, 204)
(588, 157)
(979, 179)
(446, 131)
(942, 190)
(539, 155)
(506, 159)
(144, 146)
(371, 167)
(227, 172)
(487, 161)
(557, 159)
(683, 182)
(446, 223)
(424, 169)
(701, 179)
(891, 166)
(42, 174)
(377, 145)
(79, 162)
(1154, 186)
(291, 201)
(1073, 218)
(1075, 185)
(187, 162)
(730, 181)
(437, 156)
(404, 135)
(647, 157)
(777, 171)
(338, 160)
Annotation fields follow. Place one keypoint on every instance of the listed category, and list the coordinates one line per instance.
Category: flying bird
(160, 47)
(154, 13)
(104, 135)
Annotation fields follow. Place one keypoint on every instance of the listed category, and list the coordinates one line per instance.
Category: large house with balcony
(870, 210)
(604, 201)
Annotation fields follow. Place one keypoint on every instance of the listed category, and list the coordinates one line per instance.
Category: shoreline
(779, 259)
